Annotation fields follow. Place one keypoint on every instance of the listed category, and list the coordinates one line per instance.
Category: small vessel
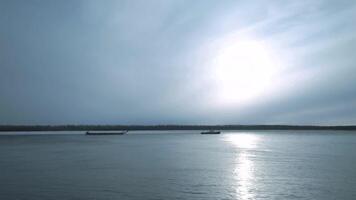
(106, 132)
(210, 132)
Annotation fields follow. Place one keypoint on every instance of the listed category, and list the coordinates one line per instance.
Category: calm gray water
(234, 165)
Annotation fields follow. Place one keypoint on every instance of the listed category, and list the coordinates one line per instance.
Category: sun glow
(243, 69)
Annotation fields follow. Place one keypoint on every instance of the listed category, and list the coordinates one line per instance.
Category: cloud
(141, 62)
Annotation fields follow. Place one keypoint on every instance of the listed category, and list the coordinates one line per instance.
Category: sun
(242, 69)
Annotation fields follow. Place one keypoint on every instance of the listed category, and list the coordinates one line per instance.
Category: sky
(178, 62)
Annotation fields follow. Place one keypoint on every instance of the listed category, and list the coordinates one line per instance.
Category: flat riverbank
(9, 128)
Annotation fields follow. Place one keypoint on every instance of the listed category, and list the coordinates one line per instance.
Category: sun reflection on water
(243, 141)
(244, 166)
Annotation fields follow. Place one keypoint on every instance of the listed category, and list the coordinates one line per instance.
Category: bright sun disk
(243, 69)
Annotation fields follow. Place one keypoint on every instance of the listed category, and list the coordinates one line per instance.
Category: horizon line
(167, 127)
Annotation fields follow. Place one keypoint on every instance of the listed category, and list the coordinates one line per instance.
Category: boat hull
(106, 133)
(210, 132)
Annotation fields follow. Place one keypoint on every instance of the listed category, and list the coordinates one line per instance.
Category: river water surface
(179, 165)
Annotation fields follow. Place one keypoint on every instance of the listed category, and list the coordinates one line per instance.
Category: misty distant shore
(10, 128)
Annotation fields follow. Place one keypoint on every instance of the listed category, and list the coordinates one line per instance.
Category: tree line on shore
(167, 127)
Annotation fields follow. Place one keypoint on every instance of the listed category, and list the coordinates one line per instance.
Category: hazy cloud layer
(149, 62)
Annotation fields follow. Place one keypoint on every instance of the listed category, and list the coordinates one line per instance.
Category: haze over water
(179, 165)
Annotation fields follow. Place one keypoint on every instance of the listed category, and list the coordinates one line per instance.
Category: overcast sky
(177, 62)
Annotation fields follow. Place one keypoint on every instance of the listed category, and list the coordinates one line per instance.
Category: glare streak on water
(244, 170)
(244, 176)
(179, 165)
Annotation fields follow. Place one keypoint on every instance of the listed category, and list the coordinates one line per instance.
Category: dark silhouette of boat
(106, 132)
(210, 132)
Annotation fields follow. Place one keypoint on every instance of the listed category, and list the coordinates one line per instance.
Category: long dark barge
(210, 132)
(106, 132)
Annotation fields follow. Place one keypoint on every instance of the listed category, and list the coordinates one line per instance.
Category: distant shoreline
(15, 128)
